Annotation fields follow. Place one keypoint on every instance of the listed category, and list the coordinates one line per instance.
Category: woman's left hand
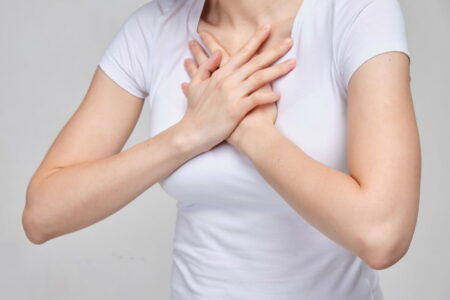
(265, 114)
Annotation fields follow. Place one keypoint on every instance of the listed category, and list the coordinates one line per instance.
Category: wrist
(185, 140)
(255, 135)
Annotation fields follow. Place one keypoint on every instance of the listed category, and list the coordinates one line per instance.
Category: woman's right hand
(217, 102)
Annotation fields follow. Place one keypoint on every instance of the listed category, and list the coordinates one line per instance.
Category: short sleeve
(377, 27)
(125, 58)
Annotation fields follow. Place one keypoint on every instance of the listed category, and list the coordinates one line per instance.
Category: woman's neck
(248, 15)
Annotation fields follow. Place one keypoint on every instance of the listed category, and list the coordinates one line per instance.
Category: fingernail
(266, 26)
(287, 41)
(291, 62)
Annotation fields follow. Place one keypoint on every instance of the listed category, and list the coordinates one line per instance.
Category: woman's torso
(235, 237)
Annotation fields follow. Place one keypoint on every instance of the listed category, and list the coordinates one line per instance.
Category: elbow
(381, 260)
(32, 228)
(31, 222)
(383, 249)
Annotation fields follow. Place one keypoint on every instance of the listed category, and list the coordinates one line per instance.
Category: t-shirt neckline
(199, 5)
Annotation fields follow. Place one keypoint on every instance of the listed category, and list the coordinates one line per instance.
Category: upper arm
(383, 139)
(111, 107)
(373, 63)
(98, 128)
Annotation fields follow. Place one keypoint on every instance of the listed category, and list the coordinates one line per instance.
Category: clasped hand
(229, 94)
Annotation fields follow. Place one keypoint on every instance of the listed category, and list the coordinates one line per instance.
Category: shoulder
(163, 9)
(346, 12)
(368, 19)
(146, 15)
(158, 15)
(363, 29)
(158, 8)
(147, 20)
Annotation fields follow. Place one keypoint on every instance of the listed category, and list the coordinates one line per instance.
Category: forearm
(327, 198)
(77, 196)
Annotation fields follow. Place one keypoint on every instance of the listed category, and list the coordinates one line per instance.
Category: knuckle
(258, 60)
(258, 77)
(215, 76)
(224, 84)
(220, 82)
(277, 53)
(253, 98)
(277, 69)
(281, 48)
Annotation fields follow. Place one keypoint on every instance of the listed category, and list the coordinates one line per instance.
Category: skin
(84, 177)
(373, 210)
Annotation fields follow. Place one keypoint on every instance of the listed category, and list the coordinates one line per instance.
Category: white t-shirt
(235, 236)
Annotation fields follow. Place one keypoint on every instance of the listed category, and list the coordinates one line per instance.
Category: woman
(293, 181)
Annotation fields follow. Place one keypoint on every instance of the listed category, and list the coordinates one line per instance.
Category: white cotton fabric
(235, 236)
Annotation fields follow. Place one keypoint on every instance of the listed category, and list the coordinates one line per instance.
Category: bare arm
(372, 211)
(84, 177)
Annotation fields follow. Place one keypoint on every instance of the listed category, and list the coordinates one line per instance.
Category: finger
(258, 98)
(266, 88)
(210, 65)
(263, 60)
(212, 44)
(247, 50)
(190, 66)
(264, 76)
(184, 87)
(198, 52)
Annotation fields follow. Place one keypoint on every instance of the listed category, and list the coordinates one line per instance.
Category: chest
(311, 113)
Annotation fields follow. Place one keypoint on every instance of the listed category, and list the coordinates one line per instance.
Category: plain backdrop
(48, 53)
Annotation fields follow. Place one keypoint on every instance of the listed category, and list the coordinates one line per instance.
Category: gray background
(49, 51)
